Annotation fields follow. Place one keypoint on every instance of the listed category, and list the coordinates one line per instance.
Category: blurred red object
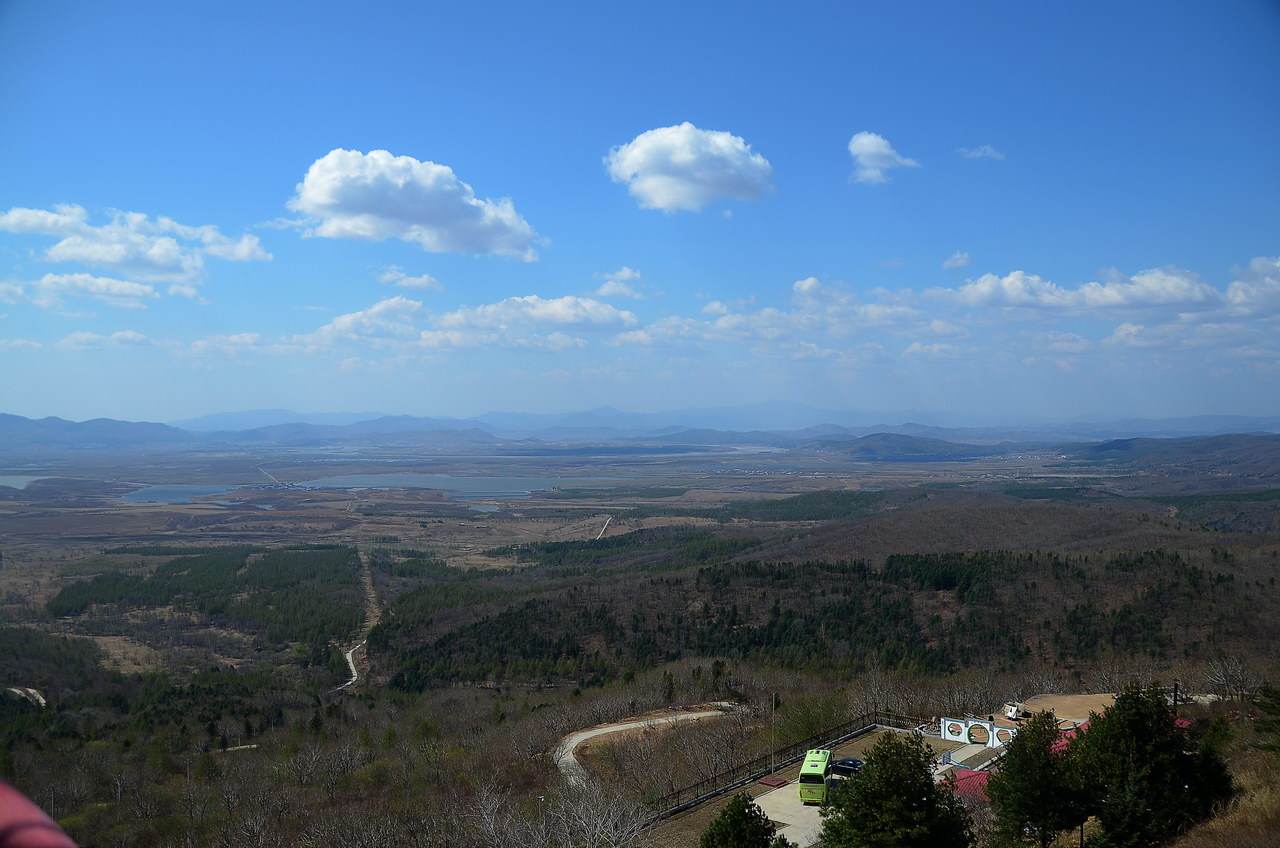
(24, 825)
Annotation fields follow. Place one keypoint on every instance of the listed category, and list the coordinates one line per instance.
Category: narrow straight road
(372, 615)
(607, 519)
(573, 770)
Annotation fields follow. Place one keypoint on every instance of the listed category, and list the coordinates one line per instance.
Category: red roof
(1065, 737)
(971, 784)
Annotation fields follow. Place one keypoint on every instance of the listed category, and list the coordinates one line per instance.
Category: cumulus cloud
(683, 168)
(619, 284)
(52, 288)
(376, 195)
(873, 157)
(83, 339)
(569, 310)
(808, 285)
(1151, 288)
(19, 344)
(393, 275)
(959, 259)
(152, 249)
(982, 151)
(388, 319)
(1258, 289)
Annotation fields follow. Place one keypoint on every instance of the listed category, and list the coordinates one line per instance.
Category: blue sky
(991, 211)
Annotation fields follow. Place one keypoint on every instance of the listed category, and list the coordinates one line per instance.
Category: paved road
(573, 770)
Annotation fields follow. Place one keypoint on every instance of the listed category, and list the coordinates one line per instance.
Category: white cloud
(1059, 341)
(387, 320)
(568, 310)
(715, 307)
(982, 151)
(19, 344)
(52, 288)
(1132, 335)
(808, 285)
(939, 327)
(157, 249)
(1258, 289)
(619, 284)
(874, 156)
(683, 168)
(186, 290)
(375, 195)
(959, 259)
(83, 339)
(10, 292)
(393, 275)
(933, 350)
(1150, 288)
(232, 344)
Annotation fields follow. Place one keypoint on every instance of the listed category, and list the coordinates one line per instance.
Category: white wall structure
(976, 731)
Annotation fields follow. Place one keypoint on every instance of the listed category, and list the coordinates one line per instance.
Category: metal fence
(694, 794)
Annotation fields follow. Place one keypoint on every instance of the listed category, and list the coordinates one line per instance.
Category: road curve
(573, 770)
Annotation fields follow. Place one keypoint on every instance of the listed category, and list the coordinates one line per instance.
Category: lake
(178, 493)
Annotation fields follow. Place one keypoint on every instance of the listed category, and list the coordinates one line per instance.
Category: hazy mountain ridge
(904, 442)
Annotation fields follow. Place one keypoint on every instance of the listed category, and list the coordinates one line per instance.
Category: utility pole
(773, 745)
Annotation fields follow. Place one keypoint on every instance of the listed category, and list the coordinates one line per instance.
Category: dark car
(846, 767)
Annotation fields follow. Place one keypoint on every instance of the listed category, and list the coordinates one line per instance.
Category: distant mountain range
(1133, 441)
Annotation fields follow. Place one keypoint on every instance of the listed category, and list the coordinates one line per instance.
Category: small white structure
(977, 731)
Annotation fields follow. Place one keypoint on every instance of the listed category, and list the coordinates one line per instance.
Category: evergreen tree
(742, 824)
(1148, 779)
(893, 802)
(1033, 792)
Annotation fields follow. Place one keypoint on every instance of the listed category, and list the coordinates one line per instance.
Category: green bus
(813, 776)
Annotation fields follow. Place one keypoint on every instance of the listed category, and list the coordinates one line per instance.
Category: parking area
(798, 823)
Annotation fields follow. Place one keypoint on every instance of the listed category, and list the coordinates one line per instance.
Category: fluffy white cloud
(873, 157)
(52, 288)
(982, 151)
(10, 292)
(683, 168)
(808, 285)
(619, 284)
(159, 249)
(568, 310)
(389, 319)
(393, 275)
(1150, 288)
(19, 344)
(959, 259)
(375, 195)
(1258, 289)
(83, 339)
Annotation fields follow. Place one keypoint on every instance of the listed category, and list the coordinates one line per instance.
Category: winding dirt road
(573, 770)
